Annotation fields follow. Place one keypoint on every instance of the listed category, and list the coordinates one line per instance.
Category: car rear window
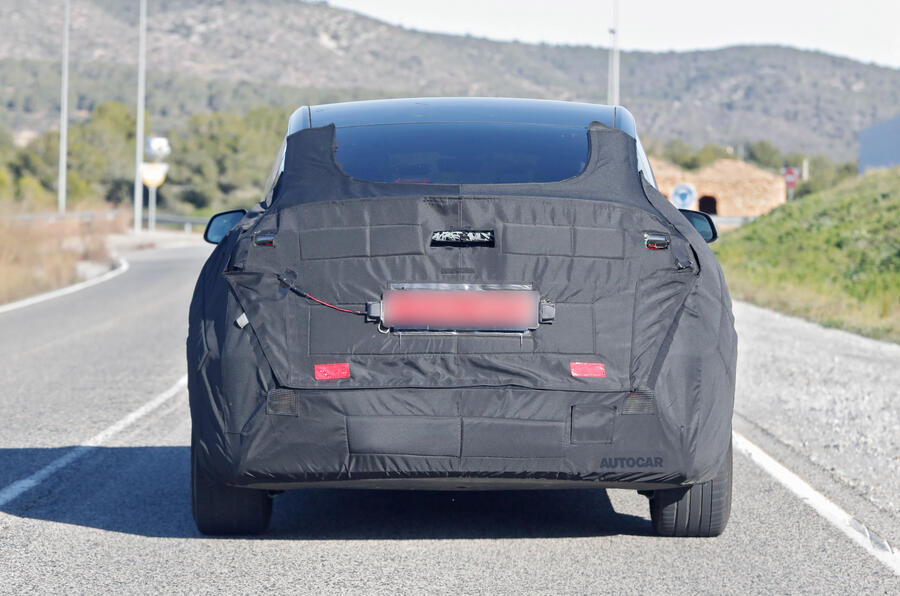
(462, 153)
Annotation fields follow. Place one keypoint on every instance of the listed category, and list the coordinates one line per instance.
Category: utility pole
(612, 87)
(63, 116)
(139, 133)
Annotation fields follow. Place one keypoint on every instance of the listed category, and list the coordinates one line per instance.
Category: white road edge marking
(843, 521)
(17, 488)
(121, 267)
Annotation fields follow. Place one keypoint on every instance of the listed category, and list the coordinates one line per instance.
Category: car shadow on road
(145, 491)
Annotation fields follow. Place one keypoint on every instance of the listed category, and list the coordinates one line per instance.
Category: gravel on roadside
(828, 394)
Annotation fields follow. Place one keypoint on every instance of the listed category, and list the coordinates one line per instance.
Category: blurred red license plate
(461, 310)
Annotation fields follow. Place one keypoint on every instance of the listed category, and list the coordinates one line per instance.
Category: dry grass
(37, 256)
(876, 318)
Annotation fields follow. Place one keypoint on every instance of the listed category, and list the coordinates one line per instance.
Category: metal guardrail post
(731, 220)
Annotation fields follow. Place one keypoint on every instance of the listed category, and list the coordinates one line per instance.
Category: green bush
(7, 186)
(34, 195)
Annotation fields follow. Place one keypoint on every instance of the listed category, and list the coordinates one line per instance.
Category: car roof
(462, 109)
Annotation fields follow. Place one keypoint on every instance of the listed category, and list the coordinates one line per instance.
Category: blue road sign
(683, 196)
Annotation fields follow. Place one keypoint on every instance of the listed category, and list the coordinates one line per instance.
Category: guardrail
(161, 218)
(69, 215)
(731, 220)
(191, 220)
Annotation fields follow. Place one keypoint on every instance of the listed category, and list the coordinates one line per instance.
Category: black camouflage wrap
(502, 407)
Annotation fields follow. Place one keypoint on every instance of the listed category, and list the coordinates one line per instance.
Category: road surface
(116, 516)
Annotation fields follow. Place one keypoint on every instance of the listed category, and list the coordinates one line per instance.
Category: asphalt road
(117, 516)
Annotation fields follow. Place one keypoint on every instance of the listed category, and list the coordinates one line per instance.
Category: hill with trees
(230, 55)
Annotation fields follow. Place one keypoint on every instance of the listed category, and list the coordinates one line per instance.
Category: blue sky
(866, 30)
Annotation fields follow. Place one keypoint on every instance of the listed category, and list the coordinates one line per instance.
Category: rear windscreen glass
(462, 153)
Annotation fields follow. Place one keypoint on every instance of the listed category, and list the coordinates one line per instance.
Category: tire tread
(221, 510)
(700, 510)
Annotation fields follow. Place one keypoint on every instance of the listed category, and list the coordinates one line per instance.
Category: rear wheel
(699, 510)
(221, 510)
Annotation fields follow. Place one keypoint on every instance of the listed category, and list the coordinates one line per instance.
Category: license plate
(461, 310)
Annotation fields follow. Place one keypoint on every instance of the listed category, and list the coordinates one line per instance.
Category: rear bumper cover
(466, 438)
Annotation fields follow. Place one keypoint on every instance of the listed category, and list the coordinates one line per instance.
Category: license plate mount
(497, 308)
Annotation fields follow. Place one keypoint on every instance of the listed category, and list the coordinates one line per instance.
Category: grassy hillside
(833, 257)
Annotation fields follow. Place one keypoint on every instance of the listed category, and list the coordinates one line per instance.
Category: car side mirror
(221, 223)
(703, 223)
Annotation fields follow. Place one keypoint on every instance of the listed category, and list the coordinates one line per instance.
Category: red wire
(323, 303)
(314, 299)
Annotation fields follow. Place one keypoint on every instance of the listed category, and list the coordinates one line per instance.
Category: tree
(710, 153)
(101, 150)
(679, 153)
(34, 195)
(682, 154)
(222, 160)
(764, 154)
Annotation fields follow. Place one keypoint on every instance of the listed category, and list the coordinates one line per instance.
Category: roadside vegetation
(824, 173)
(219, 160)
(832, 256)
(38, 256)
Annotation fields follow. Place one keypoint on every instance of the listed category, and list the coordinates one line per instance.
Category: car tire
(700, 510)
(222, 510)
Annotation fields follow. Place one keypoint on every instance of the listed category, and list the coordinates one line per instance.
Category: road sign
(790, 177)
(158, 148)
(684, 196)
(154, 173)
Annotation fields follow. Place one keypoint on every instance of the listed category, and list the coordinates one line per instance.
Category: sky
(866, 30)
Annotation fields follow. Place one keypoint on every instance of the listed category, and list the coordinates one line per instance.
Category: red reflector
(587, 369)
(480, 310)
(338, 370)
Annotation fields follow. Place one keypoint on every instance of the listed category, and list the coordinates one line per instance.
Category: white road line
(843, 521)
(17, 488)
(121, 267)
